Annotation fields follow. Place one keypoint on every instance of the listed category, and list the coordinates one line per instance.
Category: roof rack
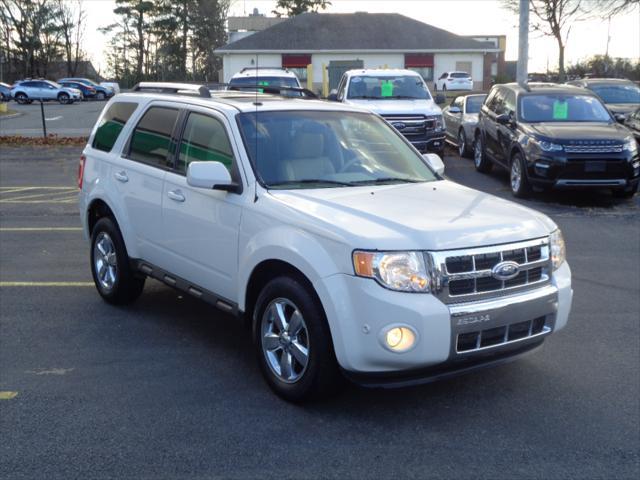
(273, 89)
(246, 69)
(170, 87)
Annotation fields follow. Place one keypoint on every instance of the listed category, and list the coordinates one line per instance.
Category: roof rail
(273, 89)
(245, 69)
(170, 87)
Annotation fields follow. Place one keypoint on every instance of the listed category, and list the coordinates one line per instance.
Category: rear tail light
(83, 159)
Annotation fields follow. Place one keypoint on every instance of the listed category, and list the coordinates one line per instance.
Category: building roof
(362, 32)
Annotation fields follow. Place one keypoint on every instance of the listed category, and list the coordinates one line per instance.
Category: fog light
(399, 339)
(541, 169)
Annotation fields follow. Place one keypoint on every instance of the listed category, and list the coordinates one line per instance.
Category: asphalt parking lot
(169, 387)
(74, 120)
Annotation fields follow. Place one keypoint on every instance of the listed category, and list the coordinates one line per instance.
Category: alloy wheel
(516, 175)
(105, 261)
(285, 340)
(462, 143)
(477, 152)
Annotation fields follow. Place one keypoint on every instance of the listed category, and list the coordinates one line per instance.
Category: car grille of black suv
(593, 148)
(467, 275)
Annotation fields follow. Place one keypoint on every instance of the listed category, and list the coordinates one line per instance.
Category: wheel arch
(99, 207)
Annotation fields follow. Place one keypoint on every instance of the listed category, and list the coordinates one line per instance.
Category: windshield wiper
(308, 181)
(406, 97)
(374, 181)
(366, 97)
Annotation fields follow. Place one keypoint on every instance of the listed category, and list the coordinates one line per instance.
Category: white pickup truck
(345, 250)
(402, 98)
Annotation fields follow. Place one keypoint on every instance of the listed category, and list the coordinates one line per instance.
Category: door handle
(121, 176)
(176, 195)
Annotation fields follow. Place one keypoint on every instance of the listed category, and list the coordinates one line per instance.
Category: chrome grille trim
(480, 283)
(593, 148)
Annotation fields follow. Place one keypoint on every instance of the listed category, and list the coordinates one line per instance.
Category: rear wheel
(100, 95)
(115, 280)
(480, 160)
(463, 148)
(22, 98)
(293, 341)
(519, 181)
(64, 98)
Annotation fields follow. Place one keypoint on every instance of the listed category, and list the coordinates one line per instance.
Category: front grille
(593, 148)
(598, 169)
(465, 276)
(482, 339)
(414, 125)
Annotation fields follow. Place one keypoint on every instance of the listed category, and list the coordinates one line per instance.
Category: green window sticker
(264, 82)
(386, 88)
(560, 110)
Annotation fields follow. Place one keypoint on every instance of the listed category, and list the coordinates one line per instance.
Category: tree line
(35, 34)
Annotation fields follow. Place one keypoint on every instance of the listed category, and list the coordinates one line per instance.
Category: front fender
(314, 257)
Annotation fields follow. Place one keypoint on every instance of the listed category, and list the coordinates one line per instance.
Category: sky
(463, 17)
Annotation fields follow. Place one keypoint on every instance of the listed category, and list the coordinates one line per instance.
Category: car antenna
(255, 186)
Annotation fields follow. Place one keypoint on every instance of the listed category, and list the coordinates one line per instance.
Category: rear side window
(204, 140)
(112, 124)
(151, 139)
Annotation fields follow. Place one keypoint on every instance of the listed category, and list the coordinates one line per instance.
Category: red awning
(296, 60)
(418, 60)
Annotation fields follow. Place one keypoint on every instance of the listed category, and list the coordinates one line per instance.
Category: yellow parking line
(8, 395)
(15, 189)
(39, 201)
(34, 187)
(40, 229)
(50, 195)
(46, 284)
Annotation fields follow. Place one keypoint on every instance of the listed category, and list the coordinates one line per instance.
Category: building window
(297, 63)
(421, 63)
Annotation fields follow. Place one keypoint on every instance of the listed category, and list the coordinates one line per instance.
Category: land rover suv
(555, 136)
(343, 249)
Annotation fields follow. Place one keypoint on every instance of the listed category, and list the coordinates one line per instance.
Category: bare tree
(72, 21)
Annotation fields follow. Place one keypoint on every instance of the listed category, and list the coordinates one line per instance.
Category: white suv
(345, 251)
(454, 81)
(402, 98)
(268, 77)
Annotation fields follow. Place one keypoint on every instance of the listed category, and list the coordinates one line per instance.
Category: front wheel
(64, 99)
(480, 160)
(520, 186)
(463, 148)
(625, 194)
(22, 98)
(115, 280)
(293, 341)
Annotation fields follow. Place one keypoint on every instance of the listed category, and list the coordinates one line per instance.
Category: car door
(48, 91)
(506, 133)
(200, 227)
(494, 107)
(138, 176)
(452, 120)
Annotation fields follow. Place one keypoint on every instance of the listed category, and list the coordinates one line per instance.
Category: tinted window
(496, 103)
(112, 124)
(204, 140)
(387, 87)
(618, 93)
(460, 75)
(474, 103)
(562, 108)
(509, 102)
(151, 139)
(266, 81)
(28, 84)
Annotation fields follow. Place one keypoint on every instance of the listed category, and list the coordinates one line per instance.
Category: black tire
(625, 194)
(22, 98)
(521, 188)
(64, 99)
(128, 284)
(321, 377)
(480, 160)
(463, 144)
(100, 96)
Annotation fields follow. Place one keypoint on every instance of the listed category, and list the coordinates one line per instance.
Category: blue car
(102, 93)
(5, 92)
(87, 90)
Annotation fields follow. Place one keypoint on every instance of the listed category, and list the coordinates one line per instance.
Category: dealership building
(342, 42)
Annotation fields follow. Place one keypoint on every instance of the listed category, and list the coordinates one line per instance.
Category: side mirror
(620, 117)
(503, 119)
(435, 162)
(440, 98)
(211, 175)
(455, 110)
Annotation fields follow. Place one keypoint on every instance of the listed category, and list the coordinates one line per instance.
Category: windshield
(387, 87)
(316, 149)
(562, 108)
(474, 103)
(617, 93)
(460, 75)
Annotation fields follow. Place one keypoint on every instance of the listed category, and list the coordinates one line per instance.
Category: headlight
(548, 146)
(558, 249)
(438, 121)
(400, 271)
(630, 145)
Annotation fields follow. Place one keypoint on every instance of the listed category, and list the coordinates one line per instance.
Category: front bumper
(359, 310)
(433, 143)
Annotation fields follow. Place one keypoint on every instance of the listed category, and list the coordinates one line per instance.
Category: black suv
(555, 136)
(622, 97)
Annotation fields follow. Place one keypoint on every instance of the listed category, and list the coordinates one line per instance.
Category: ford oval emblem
(505, 270)
(399, 125)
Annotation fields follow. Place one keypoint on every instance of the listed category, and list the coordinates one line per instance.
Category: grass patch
(52, 139)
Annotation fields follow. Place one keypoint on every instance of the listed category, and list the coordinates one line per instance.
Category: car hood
(437, 215)
(623, 107)
(579, 131)
(398, 107)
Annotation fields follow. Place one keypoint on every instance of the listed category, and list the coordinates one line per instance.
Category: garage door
(337, 69)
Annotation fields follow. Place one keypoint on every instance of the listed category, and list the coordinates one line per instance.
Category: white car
(267, 76)
(344, 250)
(402, 98)
(454, 81)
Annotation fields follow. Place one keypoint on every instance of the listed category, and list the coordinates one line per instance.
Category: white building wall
(371, 60)
(446, 62)
(232, 64)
